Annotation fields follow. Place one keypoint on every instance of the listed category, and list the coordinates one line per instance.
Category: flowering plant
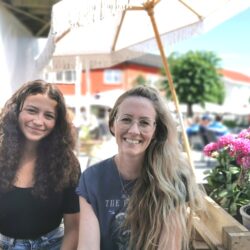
(228, 183)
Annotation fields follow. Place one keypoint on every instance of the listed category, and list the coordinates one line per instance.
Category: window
(113, 76)
(68, 76)
(59, 76)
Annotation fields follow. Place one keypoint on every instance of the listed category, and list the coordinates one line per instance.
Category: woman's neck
(30, 147)
(26, 168)
(128, 167)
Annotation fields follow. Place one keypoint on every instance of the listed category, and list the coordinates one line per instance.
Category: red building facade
(121, 76)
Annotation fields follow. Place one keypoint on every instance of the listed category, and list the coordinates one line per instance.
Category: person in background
(193, 133)
(204, 123)
(38, 171)
(194, 127)
(218, 127)
(139, 198)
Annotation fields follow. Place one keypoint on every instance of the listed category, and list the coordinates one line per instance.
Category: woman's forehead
(137, 105)
(41, 101)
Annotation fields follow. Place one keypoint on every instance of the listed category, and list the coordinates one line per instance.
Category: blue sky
(229, 40)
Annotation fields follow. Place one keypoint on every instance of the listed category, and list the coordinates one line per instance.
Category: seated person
(218, 127)
(194, 128)
(204, 132)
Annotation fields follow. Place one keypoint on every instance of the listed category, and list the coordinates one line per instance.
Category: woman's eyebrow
(29, 106)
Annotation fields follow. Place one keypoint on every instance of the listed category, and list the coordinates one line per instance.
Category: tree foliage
(196, 78)
(139, 80)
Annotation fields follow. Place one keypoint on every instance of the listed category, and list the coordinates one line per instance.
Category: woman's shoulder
(101, 168)
(98, 175)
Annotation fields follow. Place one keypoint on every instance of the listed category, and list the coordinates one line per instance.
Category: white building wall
(237, 94)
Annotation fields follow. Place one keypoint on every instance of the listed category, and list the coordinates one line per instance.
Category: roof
(148, 60)
(153, 60)
(33, 14)
(156, 61)
(235, 76)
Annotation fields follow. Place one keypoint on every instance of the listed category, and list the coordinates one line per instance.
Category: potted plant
(245, 213)
(228, 183)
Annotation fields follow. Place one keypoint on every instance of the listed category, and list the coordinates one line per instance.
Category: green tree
(139, 80)
(196, 78)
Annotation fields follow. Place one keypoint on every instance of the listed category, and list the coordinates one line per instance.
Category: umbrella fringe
(170, 38)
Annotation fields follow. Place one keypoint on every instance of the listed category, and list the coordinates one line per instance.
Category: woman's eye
(144, 123)
(126, 120)
(30, 111)
(49, 116)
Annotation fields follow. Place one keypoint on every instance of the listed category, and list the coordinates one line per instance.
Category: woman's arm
(71, 231)
(89, 233)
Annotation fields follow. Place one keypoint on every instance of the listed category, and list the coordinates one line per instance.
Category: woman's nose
(38, 119)
(134, 128)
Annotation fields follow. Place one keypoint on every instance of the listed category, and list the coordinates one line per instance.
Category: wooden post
(149, 7)
(220, 230)
(236, 239)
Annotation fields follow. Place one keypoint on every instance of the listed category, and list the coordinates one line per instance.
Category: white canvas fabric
(18, 49)
(88, 29)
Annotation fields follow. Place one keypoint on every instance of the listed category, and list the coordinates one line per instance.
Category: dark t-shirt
(23, 216)
(101, 186)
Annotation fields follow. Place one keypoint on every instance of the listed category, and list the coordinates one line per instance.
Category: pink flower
(235, 147)
(210, 148)
(246, 162)
(241, 146)
(225, 140)
(245, 133)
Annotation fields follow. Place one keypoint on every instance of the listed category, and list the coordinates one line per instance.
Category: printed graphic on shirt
(115, 204)
(117, 207)
(121, 235)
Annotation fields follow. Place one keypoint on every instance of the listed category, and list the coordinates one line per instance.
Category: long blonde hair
(167, 183)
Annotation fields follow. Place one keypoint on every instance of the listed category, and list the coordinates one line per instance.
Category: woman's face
(37, 117)
(134, 125)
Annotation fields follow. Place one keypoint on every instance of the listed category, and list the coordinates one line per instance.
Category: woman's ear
(112, 129)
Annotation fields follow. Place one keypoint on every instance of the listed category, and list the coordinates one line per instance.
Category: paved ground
(201, 164)
(108, 149)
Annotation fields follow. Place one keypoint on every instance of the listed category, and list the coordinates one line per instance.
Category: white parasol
(106, 32)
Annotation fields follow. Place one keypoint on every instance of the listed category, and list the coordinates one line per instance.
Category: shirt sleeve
(70, 201)
(81, 189)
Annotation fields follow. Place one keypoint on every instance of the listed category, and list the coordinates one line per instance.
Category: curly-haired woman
(38, 171)
(144, 196)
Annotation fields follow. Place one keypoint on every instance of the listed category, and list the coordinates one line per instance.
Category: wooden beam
(45, 26)
(211, 225)
(9, 6)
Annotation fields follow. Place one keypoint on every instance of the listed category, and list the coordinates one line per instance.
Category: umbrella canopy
(109, 32)
(106, 32)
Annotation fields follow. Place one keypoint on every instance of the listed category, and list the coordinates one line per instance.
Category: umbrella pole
(150, 11)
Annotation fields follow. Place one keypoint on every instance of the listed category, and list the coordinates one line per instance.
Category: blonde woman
(139, 198)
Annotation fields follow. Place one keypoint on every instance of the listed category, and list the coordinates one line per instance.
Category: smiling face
(37, 117)
(134, 125)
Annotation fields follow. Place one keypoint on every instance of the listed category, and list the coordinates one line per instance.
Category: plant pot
(245, 213)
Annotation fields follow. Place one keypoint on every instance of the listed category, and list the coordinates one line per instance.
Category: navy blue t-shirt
(101, 186)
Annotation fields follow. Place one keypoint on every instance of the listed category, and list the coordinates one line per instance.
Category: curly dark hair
(57, 166)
